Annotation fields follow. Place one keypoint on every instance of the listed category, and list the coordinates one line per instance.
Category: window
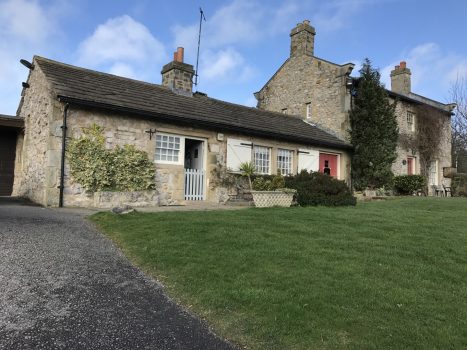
(433, 179)
(308, 110)
(261, 155)
(284, 161)
(284, 110)
(167, 148)
(410, 121)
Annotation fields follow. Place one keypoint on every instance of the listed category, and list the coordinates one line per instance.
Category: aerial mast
(201, 18)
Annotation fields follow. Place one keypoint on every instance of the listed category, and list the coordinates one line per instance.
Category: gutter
(209, 125)
(62, 160)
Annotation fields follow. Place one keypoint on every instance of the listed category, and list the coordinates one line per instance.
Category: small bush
(408, 184)
(318, 189)
(268, 183)
(459, 185)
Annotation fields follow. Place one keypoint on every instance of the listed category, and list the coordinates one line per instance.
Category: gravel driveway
(65, 286)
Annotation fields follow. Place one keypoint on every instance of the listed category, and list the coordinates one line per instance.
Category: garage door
(7, 161)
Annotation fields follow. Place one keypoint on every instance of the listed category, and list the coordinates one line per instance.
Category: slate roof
(11, 121)
(89, 88)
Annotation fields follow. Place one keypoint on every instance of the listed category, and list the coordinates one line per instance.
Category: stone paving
(63, 285)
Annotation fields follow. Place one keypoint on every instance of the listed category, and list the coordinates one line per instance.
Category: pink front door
(410, 166)
(328, 164)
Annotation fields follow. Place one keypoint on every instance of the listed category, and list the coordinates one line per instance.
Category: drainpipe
(62, 165)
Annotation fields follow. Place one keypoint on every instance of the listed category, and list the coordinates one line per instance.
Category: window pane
(261, 159)
(284, 161)
(167, 148)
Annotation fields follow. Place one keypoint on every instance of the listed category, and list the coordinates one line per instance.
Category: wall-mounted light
(27, 64)
(404, 162)
(25, 85)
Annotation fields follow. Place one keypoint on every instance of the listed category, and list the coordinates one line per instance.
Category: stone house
(188, 135)
(319, 91)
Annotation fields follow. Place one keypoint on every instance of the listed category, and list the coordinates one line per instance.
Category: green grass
(381, 275)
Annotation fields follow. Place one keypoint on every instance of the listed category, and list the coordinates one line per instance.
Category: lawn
(381, 275)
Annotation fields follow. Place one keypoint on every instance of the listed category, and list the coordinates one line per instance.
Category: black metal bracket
(247, 144)
(151, 132)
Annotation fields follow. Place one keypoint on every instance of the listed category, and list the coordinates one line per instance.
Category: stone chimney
(400, 79)
(177, 75)
(302, 40)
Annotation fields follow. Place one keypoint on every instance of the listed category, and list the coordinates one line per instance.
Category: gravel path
(65, 286)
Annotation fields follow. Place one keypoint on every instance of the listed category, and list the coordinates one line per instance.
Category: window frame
(181, 150)
(290, 158)
(410, 123)
(308, 110)
(259, 169)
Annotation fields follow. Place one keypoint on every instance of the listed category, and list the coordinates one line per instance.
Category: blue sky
(243, 43)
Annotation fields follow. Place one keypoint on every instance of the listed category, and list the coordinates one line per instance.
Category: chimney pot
(306, 22)
(396, 67)
(403, 64)
(180, 54)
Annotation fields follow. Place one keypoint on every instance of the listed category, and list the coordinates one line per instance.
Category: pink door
(328, 164)
(410, 166)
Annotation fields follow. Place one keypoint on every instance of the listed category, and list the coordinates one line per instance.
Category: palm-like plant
(248, 169)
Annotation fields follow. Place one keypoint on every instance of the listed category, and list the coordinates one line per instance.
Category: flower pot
(263, 199)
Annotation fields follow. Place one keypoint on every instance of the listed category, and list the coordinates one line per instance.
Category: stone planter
(109, 199)
(265, 199)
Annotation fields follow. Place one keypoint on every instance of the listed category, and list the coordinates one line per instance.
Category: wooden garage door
(7, 161)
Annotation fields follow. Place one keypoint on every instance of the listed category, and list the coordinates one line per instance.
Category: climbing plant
(99, 169)
(429, 127)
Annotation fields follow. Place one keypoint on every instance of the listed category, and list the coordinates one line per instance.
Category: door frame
(204, 143)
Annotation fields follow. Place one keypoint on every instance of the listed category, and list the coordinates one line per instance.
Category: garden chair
(439, 191)
(447, 189)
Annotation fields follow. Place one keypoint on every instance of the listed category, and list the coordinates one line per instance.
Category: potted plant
(268, 193)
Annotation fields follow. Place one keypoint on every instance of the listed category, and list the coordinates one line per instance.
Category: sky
(243, 42)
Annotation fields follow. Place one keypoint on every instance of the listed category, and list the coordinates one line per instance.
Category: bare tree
(458, 94)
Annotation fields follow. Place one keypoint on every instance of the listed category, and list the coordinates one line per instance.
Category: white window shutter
(238, 152)
(308, 159)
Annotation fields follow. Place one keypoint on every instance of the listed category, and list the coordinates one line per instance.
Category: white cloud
(224, 66)
(335, 14)
(26, 28)
(24, 20)
(123, 46)
(221, 63)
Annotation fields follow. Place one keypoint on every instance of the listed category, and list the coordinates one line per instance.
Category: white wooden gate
(194, 184)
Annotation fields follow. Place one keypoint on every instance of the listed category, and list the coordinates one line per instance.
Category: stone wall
(121, 129)
(305, 79)
(32, 174)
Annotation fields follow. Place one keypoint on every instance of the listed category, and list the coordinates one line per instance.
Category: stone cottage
(319, 91)
(187, 135)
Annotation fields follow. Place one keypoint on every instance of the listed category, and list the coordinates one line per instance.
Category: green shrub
(318, 189)
(90, 164)
(98, 169)
(408, 184)
(459, 185)
(268, 182)
(133, 169)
